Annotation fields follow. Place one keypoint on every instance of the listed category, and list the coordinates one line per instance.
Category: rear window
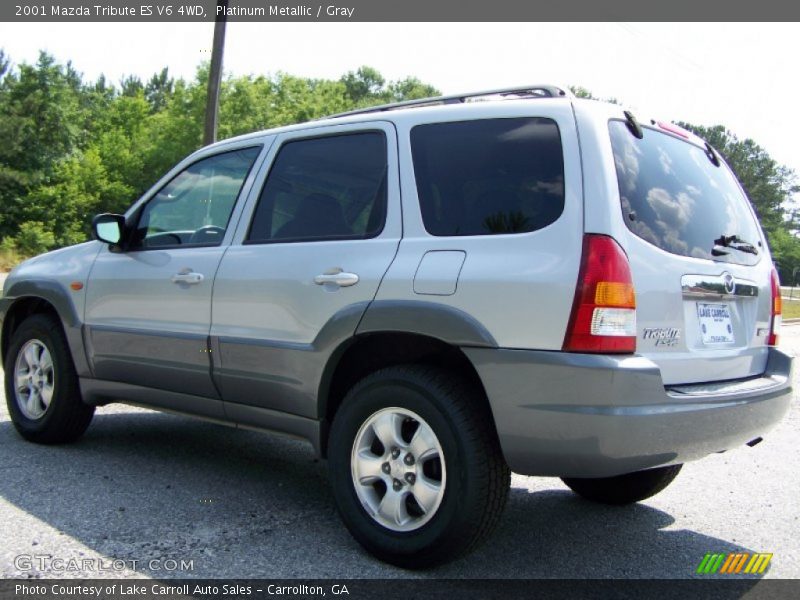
(489, 176)
(674, 197)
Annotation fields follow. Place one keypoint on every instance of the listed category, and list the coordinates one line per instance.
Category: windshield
(674, 197)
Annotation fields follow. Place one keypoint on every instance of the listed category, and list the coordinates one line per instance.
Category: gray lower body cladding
(584, 415)
(99, 392)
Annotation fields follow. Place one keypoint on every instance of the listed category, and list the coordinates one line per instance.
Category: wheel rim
(398, 469)
(34, 379)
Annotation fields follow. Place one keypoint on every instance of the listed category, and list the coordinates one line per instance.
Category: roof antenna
(633, 125)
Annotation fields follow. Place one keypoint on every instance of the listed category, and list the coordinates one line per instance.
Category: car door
(309, 257)
(148, 306)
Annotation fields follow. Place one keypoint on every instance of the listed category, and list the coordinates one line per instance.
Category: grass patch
(791, 309)
(9, 258)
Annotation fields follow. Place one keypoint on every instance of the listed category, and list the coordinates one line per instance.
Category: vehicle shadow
(148, 486)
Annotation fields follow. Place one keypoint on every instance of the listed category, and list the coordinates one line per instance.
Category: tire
(461, 478)
(624, 489)
(50, 410)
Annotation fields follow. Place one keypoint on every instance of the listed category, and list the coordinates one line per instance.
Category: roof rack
(530, 91)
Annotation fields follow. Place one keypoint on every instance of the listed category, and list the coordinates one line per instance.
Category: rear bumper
(584, 415)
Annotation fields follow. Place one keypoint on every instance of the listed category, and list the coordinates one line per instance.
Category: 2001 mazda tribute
(433, 294)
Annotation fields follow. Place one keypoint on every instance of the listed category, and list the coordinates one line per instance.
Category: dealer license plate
(715, 323)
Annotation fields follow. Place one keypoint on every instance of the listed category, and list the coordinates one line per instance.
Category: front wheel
(416, 467)
(42, 391)
(624, 489)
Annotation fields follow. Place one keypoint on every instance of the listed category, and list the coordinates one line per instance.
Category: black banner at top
(395, 10)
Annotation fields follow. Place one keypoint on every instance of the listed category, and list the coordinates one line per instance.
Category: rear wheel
(42, 391)
(624, 489)
(416, 468)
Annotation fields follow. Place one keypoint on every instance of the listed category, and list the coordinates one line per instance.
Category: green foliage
(4, 64)
(410, 88)
(9, 256)
(768, 184)
(34, 238)
(159, 89)
(366, 87)
(582, 92)
(43, 119)
(786, 254)
(770, 187)
(363, 85)
(73, 148)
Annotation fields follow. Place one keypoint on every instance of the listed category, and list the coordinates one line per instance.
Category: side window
(194, 208)
(488, 176)
(326, 188)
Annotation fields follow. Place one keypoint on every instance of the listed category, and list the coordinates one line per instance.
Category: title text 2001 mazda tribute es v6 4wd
(433, 294)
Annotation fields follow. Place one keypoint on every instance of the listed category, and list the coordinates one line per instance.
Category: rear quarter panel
(518, 286)
(657, 273)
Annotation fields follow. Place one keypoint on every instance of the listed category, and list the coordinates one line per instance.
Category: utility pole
(215, 75)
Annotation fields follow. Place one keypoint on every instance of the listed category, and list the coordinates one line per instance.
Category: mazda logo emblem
(729, 282)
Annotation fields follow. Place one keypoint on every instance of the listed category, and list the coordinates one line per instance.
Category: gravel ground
(145, 488)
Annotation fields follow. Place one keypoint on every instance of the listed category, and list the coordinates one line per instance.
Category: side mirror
(108, 228)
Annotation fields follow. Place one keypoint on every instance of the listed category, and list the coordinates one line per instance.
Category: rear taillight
(776, 310)
(604, 312)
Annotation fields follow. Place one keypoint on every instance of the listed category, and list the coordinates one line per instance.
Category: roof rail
(530, 91)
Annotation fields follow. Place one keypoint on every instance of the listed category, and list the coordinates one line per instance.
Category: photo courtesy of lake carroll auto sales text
(185, 589)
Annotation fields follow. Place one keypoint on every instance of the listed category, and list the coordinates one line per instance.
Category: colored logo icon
(733, 563)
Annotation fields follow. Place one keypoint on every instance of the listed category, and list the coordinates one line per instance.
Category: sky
(741, 75)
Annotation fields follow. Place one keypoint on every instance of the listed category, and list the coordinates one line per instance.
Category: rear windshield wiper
(733, 241)
(712, 156)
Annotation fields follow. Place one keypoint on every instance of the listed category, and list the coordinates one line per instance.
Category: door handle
(187, 276)
(336, 277)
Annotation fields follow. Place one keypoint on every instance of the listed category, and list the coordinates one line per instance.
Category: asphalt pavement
(145, 494)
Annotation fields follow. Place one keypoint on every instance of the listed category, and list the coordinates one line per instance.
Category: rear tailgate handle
(187, 276)
(336, 277)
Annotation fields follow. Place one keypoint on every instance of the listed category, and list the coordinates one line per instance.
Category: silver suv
(433, 294)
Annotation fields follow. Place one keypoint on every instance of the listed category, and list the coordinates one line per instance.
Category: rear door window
(326, 188)
(488, 176)
(676, 198)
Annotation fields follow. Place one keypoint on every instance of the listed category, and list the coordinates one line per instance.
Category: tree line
(73, 148)
(770, 187)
